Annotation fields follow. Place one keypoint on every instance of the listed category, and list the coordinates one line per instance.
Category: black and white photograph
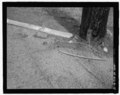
(60, 48)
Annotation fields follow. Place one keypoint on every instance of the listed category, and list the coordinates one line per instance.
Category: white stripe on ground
(41, 29)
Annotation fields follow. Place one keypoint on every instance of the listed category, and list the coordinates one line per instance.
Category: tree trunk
(94, 19)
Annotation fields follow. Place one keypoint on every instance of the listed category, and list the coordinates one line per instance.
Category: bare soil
(35, 60)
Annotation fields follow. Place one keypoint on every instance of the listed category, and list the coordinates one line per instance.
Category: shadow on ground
(71, 24)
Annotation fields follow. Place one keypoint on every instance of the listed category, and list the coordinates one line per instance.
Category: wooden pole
(94, 18)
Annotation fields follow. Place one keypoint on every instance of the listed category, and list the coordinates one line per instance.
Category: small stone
(105, 49)
(70, 41)
(42, 35)
(44, 43)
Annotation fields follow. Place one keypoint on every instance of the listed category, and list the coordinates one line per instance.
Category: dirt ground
(35, 60)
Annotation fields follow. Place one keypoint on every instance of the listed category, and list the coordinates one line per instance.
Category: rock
(105, 49)
(41, 35)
